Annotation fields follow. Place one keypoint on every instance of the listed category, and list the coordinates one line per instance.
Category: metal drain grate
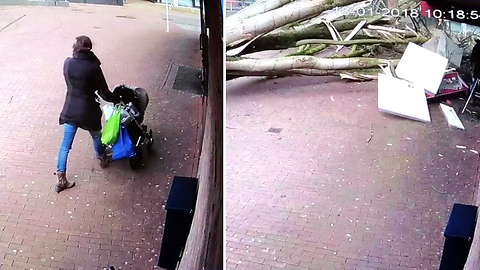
(189, 79)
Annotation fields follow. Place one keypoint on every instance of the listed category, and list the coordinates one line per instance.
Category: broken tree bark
(274, 73)
(399, 48)
(259, 7)
(357, 52)
(268, 21)
(368, 33)
(311, 50)
(361, 41)
(288, 38)
(302, 62)
(387, 29)
(333, 15)
(354, 52)
(316, 72)
(362, 34)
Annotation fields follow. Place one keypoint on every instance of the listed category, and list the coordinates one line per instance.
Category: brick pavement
(112, 216)
(317, 196)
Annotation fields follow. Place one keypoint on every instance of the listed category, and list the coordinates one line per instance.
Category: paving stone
(113, 216)
(319, 186)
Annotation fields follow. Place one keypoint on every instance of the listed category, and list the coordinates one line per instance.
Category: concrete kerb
(51, 3)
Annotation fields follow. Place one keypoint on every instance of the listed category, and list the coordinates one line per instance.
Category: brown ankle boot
(62, 182)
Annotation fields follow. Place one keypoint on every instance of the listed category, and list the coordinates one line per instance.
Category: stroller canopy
(137, 95)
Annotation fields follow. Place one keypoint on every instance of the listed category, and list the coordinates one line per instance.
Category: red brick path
(317, 196)
(113, 216)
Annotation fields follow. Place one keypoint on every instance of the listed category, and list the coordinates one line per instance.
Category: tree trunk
(388, 29)
(268, 21)
(301, 62)
(314, 49)
(259, 7)
(362, 34)
(288, 38)
(378, 34)
(361, 41)
(273, 73)
(300, 72)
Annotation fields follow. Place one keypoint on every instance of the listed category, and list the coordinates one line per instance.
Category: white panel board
(448, 49)
(401, 98)
(422, 67)
(431, 44)
(452, 117)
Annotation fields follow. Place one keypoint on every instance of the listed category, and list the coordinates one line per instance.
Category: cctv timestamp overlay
(393, 12)
(452, 14)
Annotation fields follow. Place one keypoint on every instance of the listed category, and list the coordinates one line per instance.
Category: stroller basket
(133, 105)
(129, 114)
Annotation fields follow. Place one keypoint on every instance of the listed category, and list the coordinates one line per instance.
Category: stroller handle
(121, 103)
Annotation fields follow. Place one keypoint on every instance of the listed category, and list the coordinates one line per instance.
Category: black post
(180, 209)
(458, 236)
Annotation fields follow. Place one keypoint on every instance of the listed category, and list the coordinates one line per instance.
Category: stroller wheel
(149, 145)
(135, 162)
(150, 142)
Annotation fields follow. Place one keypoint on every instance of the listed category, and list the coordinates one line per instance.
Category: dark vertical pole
(204, 47)
(180, 208)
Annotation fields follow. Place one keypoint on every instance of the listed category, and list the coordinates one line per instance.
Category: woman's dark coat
(84, 77)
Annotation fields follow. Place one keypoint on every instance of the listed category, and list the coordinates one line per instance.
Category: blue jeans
(69, 132)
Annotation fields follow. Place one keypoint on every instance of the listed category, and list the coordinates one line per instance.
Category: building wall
(60, 3)
(204, 249)
(473, 260)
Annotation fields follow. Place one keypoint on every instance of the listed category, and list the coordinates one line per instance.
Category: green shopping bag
(112, 127)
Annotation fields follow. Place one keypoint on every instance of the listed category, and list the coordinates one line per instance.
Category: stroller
(134, 101)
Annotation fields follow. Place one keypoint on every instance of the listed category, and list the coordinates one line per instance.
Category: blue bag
(123, 147)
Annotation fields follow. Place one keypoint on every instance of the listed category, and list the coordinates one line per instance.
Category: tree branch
(361, 41)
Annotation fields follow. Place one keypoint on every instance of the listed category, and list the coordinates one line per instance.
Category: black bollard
(458, 236)
(180, 209)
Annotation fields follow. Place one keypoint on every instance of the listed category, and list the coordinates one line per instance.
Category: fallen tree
(360, 41)
(259, 7)
(312, 26)
(288, 38)
(270, 20)
(365, 73)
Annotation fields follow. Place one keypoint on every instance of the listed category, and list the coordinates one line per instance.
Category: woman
(83, 77)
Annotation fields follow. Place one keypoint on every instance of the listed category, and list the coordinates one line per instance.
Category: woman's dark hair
(82, 43)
